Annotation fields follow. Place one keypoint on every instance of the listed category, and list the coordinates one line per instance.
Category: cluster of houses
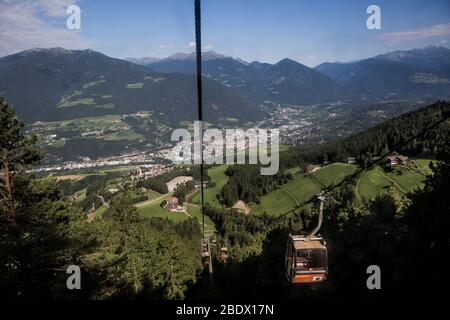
(150, 171)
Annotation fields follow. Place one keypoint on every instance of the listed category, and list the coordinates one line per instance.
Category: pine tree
(17, 151)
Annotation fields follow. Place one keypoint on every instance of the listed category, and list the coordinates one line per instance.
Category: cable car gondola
(306, 256)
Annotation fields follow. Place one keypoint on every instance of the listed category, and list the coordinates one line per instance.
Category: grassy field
(408, 180)
(273, 203)
(107, 128)
(217, 175)
(302, 187)
(371, 184)
(334, 173)
(299, 189)
(153, 194)
(424, 165)
(154, 210)
(377, 180)
(195, 212)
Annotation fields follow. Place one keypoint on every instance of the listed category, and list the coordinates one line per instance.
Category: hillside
(402, 74)
(437, 58)
(59, 84)
(413, 73)
(303, 186)
(383, 137)
(286, 82)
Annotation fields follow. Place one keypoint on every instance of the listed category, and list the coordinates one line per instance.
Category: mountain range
(57, 84)
(286, 82)
(413, 73)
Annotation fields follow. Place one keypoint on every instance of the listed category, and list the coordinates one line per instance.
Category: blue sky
(308, 31)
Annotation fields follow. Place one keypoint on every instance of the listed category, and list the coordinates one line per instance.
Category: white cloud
(312, 57)
(24, 24)
(416, 34)
(55, 8)
(209, 47)
(191, 45)
(443, 41)
(163, 47)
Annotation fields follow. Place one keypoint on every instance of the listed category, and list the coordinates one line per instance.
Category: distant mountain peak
(206, 55)
(242, 61)
(287, 61)
(183, 56)
(211, 55)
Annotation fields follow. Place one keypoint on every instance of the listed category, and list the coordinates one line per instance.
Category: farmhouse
(396, 158)
(351, 160)
(172, 204)
(173, 184)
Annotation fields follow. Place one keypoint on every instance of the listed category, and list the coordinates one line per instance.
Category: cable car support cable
(206, 245)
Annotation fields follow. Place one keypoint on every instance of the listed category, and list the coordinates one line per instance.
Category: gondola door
(289, 261)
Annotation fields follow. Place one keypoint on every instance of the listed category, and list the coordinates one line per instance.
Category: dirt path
(290, 195)
(192, 204)
(358, 180)
(396, 184)
(208, 230)
(147, 202)
(314, 179)
(419, 169)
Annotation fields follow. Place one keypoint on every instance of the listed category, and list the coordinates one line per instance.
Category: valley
(122, 139)
(102, 109)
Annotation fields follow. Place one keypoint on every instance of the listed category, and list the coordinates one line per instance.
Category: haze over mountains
(55, 84)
